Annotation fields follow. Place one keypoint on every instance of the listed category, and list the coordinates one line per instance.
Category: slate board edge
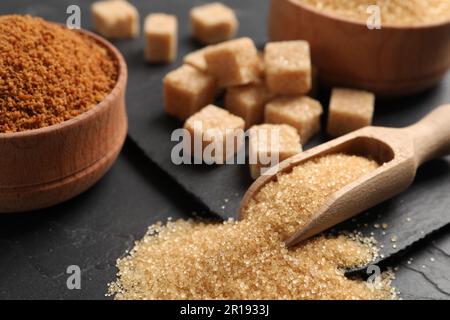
(211, 214)
(391, 260)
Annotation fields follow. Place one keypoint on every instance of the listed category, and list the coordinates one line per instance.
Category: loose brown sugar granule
(248, 259)
(48, 74)
(395, 12)
(190, 260)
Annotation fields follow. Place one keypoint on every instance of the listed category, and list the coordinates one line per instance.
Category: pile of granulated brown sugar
(49, 74)
(248, 259)
(393, 12)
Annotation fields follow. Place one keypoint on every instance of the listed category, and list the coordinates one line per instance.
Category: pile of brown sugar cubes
(117, 19)
(264, 92)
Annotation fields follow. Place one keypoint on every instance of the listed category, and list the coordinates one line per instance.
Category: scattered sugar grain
(233, 260)
(248, 259)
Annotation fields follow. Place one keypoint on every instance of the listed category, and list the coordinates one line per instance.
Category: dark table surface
(94, 229)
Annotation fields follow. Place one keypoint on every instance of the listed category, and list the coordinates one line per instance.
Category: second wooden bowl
(43, 167)
(392, 61)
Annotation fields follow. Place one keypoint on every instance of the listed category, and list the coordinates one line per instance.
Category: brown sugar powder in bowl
(49, 74)
(248, 259)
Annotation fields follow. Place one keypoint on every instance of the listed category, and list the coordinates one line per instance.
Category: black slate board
(219, 187)
(91, 231)
(413, 215)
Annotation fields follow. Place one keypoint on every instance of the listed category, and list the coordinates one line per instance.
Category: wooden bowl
(43, 167)
(393, 61)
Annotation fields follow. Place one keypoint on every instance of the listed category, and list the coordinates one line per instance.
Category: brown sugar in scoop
(399, 151)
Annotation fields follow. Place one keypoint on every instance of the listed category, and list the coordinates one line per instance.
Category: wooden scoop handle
(431, 135)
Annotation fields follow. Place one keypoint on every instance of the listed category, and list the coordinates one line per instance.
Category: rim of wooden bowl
(121, 78)
(357, 23)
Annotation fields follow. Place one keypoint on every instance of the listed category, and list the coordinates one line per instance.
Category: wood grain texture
(431, 135)
(43, 167)
(391, 61)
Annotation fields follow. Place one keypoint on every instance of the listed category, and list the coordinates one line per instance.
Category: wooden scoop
(399, 151)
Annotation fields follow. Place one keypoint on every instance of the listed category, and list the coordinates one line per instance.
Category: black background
(96, 228)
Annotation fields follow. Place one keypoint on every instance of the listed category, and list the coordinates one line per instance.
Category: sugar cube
(115, 19)
(187, 90)
(161, 37)
(271, 143)
(213, 23)
(247, 102)
(288, 67)
(234, 62)
(301, 112)
(214, 125)
(349, 110)
(197, 59)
